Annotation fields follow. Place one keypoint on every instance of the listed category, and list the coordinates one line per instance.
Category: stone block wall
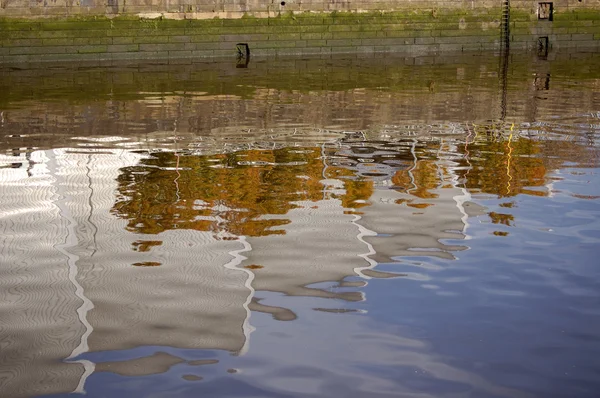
(572, 25)
(195, 9)
(96, 30)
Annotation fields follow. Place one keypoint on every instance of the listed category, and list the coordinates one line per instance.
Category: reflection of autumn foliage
(506, 169)
(146, 245)
(494, 165)
(500, 218)
(228, 192)
(357, 190)
(419, 205)
(425, 175)
(254, 266)
(147, 264)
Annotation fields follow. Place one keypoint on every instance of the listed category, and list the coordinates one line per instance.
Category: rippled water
(394, 227)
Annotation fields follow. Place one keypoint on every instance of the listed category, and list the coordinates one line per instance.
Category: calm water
(389, 227)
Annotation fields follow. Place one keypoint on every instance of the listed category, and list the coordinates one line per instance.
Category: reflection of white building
(67, 284)
(408, 226)
(405, 225)
(325, 242)
(408, 231)
(320, 244)
(38, 305)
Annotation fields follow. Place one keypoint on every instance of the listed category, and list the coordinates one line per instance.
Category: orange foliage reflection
(229, 194)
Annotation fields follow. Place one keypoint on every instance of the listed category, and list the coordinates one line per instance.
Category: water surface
(420, 227)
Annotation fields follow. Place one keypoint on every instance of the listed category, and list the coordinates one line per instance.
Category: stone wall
(93, 30)
(574, 24)
(225, 9)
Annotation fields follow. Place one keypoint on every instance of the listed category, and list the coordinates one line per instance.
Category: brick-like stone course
(68, 30)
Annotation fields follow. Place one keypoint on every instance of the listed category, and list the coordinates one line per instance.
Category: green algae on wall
(125, 37)
(575, 29)
(412, 32)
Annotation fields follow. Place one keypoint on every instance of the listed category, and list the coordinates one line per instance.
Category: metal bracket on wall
(542, 48)
(243, 55)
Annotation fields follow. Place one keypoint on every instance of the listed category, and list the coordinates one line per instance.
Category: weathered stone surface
(63, 29)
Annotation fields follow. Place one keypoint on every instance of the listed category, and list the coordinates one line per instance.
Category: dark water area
(384, 227)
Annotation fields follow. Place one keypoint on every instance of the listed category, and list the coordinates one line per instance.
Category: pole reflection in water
(339, 241)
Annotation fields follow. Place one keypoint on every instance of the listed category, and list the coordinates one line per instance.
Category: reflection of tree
(233, 192)
(227, 192)
(491, 164)
(506, 168)
(501, 218)
(424, 178)
(357, 190)
(146, 245)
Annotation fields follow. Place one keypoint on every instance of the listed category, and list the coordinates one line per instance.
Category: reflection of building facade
(417, 202)
(98, 301)
(320, 244)
(38, 303)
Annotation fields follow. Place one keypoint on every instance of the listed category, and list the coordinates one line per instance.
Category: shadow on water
(302, 227)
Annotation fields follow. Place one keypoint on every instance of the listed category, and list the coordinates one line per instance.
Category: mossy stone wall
(420, 27)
